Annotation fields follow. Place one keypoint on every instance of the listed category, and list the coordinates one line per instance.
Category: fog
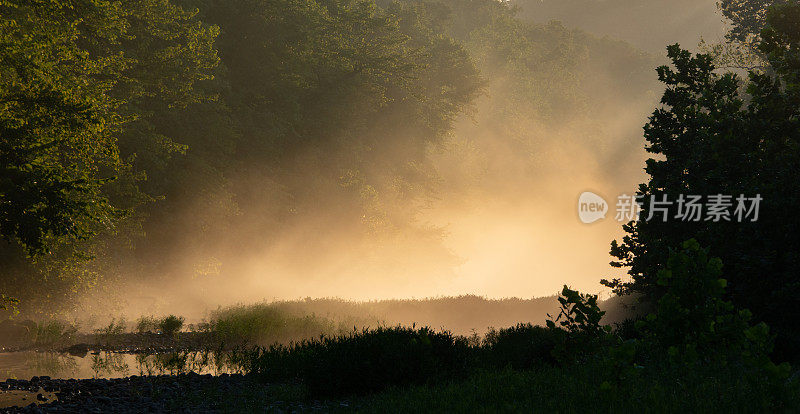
(502, 221)
(646, 24)
(488, 209)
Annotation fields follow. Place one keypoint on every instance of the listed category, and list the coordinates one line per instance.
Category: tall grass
(54, 332)
(265, 324)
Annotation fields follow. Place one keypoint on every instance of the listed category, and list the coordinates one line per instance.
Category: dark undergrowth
(693, 353)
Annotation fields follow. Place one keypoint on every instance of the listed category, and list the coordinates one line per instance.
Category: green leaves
(7, 302)
(55, 130)
(692, 320)
(77, 81)
(578, 321)
(708, 139)
(579, 312)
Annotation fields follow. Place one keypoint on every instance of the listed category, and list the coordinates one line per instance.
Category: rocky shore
(158, 394)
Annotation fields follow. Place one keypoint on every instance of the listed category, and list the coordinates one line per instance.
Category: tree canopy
(710, 139)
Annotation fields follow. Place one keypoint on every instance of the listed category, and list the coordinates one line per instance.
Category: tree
(77, 80)
(748, 17)
(710, 140)
(54, 125)
(741, 50)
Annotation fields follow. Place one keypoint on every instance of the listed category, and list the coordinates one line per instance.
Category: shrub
(168, 325)
(366, 361)
(171, 324)
(693, 326)
(521, 347)
(577, 327)
(693, 319)
(147, 324)
(115, 327)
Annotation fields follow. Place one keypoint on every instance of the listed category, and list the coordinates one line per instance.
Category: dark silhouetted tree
(710, 140)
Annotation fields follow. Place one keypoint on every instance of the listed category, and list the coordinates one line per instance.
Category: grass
(50, 333)
(579, 389)
(521, 347)
(407, 369)
(265, 324)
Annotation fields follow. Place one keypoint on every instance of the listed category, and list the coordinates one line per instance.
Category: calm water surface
(26, 364)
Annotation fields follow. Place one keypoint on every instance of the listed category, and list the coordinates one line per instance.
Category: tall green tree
(79, 80)
(56, 120)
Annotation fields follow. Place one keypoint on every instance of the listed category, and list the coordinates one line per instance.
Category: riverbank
(167, 393)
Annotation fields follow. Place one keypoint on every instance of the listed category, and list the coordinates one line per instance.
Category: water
(22, 398)
(27, 364)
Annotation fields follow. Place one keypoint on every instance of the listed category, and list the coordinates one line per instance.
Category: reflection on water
(16, 398)
(24, 365)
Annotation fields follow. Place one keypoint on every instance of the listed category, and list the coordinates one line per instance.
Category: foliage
(578, 323)
(56, 122)
(167, 325)
(249, 113)
(579, 313)
(80, 80)
(710, 140)
(748, 17)
(114, 327)
(366, 361)
(50, 333)
(520, 347)
(741, 49)
(693, 327)
(171, 325)
(147, 324)
(578, 388)
(692, 318)
(8, 303)
(265, 325)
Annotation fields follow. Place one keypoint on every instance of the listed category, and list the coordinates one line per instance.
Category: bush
(577, 327)
(146, 324)
(693, 320)
(171, 324)
(366, 361)
(115, 327)
(521, 347)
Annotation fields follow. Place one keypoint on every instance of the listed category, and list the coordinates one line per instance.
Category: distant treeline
(462, 315)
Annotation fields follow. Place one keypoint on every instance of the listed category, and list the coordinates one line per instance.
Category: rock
(103, 399)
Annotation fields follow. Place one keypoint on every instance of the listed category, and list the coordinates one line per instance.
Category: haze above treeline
(276, 149)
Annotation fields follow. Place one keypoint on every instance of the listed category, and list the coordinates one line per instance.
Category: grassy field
(579, 389)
